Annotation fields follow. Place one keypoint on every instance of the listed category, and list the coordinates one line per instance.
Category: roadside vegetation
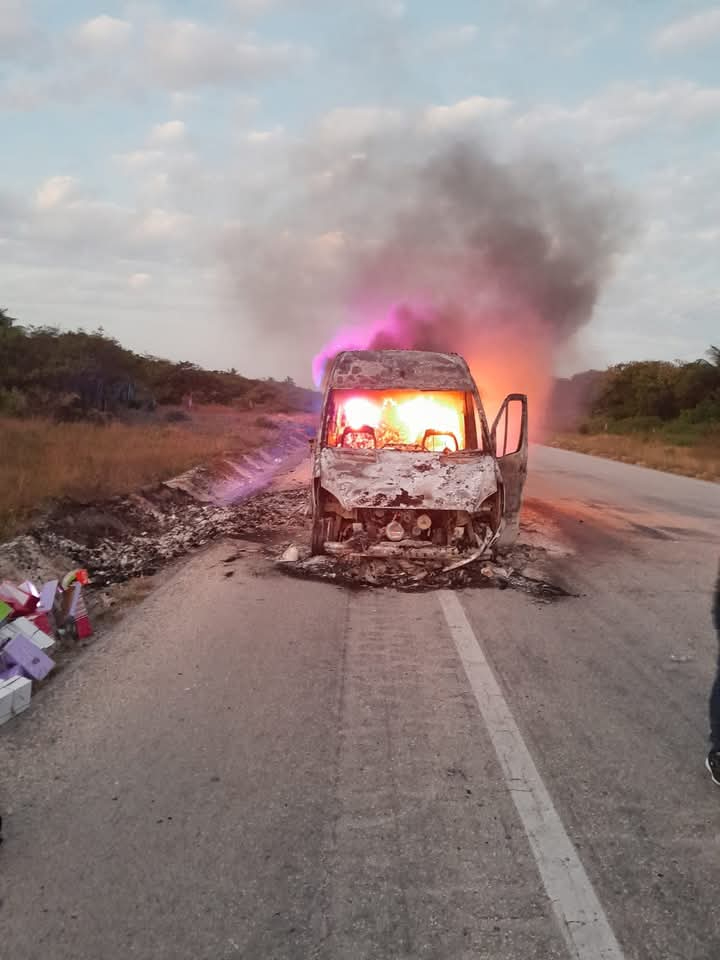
(75, 375)
(658, 414)
(83, 418)
(44, 461)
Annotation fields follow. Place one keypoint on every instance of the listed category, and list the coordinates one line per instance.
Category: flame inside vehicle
(422, 420)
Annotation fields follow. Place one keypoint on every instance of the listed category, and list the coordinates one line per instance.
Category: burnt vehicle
(405, 464)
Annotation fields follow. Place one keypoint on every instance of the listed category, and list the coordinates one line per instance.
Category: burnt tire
(325, 526)
(318, 534)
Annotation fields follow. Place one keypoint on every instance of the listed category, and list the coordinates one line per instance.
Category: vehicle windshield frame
(476, 433)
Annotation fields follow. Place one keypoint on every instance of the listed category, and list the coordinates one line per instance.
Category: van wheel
(324, 527)
(318, 535)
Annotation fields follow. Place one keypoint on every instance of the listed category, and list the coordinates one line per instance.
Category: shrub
(267, 423)
(13, 403)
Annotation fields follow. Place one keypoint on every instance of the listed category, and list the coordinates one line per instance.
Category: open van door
(510, 440)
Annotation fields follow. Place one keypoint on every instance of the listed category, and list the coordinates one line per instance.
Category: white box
(27, 629)
(6, 699)
(14, 697)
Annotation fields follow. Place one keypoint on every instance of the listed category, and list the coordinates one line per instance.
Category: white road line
(582, 920)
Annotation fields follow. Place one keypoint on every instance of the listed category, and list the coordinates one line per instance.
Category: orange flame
(402, 417)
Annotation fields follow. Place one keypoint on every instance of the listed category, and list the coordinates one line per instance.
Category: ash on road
(260, 766)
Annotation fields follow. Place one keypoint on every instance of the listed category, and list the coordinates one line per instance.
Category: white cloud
(139, 159)
(181, 54)
(163, 224)
(171, 132)
(135, 57)
(102, 34)
(54, 192)
(465, 111)
(265, 136)
(137, 281)
(624, 111)
(348, 123)
(696, 30)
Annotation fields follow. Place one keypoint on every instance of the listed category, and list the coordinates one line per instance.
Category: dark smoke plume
(501, 261)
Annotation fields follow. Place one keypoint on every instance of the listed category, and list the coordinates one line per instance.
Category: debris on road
(162, 525)
(402, 574)
(291, 555)
(138, 534)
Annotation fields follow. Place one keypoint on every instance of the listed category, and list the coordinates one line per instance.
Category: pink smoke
(363, 335)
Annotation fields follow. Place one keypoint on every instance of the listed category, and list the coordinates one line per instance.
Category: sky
(141, 140)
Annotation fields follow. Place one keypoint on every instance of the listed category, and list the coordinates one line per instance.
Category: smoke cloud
(431, 245)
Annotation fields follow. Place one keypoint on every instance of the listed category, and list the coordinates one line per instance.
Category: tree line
(68, 374)
(641, 395)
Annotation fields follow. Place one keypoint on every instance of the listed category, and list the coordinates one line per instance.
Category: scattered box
(14, 697)
(72, 609)
(20, 601)
(6, 699)
(5, 611)
(47, 596)
(10, 672)
(23, 652)
(27, 627)
(42, 622)
(83, 627)
(30, 629)
(67, 603)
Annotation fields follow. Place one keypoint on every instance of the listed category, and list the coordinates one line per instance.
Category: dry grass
(701, 460)
(41, 461)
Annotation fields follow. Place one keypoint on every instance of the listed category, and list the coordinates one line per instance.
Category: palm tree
(714, 356)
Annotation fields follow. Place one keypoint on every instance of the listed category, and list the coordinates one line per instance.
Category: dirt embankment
(43, 462)
(137, 534)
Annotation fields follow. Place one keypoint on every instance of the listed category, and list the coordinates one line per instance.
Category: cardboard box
(67, 603)
(8, 673)
(22, 692)
(5, 611)
(26, 627)
(18, 599)
(6, 699)
(14, 697)
(42, 622)
(46, 600)
(23, 652)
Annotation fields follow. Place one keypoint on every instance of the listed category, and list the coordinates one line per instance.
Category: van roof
(399, 370)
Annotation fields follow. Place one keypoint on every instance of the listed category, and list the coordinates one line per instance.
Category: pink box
(19, 600)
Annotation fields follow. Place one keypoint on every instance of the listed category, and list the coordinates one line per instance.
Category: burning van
(405, 463)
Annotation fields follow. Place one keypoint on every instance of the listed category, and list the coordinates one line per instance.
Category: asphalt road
(261, 767)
